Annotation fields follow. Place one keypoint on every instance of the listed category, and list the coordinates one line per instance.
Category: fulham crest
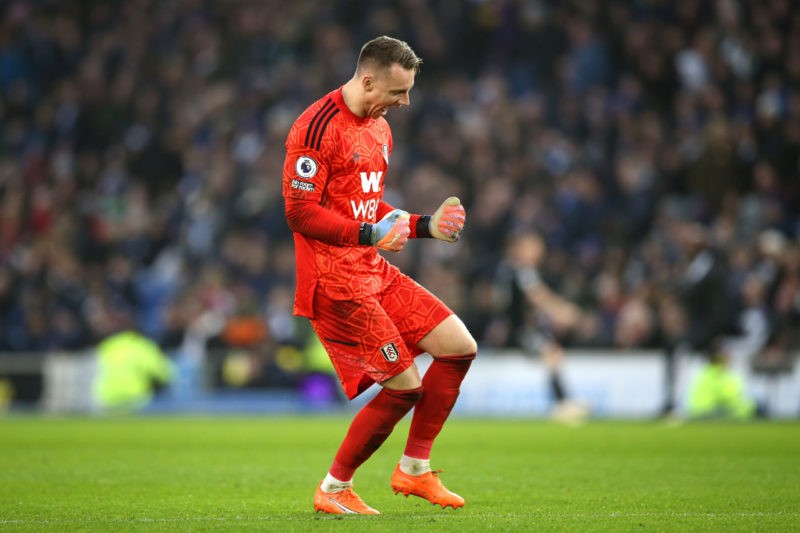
(389, 352)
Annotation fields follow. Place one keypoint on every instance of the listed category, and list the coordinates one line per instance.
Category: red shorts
(373, 339)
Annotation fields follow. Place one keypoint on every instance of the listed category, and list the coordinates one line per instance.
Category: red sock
(370, 428)
(441, 386)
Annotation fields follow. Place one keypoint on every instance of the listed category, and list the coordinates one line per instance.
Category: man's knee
(459, 346)
(468, 347)
(408, 379)
(449, 338)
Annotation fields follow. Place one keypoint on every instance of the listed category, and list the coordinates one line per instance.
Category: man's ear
(368, 82)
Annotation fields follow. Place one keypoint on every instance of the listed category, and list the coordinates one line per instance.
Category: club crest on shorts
(390, 352)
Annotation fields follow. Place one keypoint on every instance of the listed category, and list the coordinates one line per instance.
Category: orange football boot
(427, 486)
(343, 502)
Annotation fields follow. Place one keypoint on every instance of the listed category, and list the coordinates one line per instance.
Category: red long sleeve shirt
(333, 181)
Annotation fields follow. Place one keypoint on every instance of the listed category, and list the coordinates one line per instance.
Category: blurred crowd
(141, 147)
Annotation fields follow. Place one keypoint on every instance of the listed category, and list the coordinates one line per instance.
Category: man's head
(526, 249)
(384, 76)
(383, 52)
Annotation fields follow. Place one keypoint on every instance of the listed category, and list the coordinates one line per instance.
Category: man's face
(527, 251)
(387, 88)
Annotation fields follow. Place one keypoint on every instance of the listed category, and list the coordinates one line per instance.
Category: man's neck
(350, 92)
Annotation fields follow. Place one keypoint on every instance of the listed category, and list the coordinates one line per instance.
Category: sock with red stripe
(370, 428)
(441, 386)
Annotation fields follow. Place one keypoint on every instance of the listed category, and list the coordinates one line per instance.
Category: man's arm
(311, 219)
(564, 313)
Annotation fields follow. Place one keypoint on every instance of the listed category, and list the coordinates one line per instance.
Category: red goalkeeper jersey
(333, 180)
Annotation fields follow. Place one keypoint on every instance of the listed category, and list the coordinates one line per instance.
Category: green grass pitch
(259, 474)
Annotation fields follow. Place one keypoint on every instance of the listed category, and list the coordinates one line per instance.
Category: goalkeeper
(372, 319)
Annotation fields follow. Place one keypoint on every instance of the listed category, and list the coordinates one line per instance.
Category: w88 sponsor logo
(364, 210)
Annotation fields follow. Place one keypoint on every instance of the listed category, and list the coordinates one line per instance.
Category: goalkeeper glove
(391, 232)
(447, 222)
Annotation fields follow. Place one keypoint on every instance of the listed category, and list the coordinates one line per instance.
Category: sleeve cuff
(365, 234)
(423, 227)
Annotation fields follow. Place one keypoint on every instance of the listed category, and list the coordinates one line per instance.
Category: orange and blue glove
(392, 231)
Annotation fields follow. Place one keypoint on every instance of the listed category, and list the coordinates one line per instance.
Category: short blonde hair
(386, 51)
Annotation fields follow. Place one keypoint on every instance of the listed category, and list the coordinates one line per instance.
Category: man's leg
(441, 387)
(379, 355)
(368, 430)
(453, 349)
(668, 407)
(564, 409)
